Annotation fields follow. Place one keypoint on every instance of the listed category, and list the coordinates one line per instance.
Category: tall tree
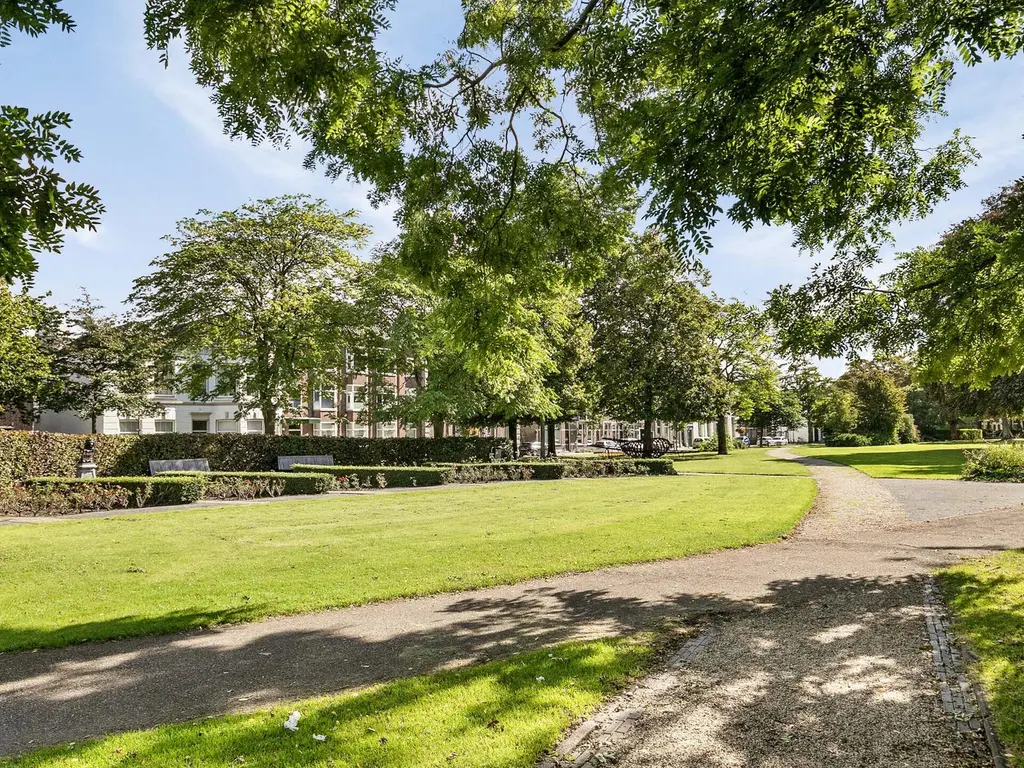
(805, 380)
(101, 363)
(747, 372)
(881, 402)
(254, 299)
(37, 204)
(653, 357)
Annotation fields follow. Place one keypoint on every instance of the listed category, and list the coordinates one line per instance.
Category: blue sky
(154, 147)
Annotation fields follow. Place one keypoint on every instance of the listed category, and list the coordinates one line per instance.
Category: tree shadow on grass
(73, 693)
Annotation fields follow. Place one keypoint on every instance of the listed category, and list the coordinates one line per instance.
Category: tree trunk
(1007, 433)
(723, 436)
(552, 451)
(438, 424)
(513, 435)
(647, 435)
(269, 418)
(92, 428)
(953, 429)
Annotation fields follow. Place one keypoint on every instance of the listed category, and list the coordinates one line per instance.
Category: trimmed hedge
(381, 477)
(253, 485)
(35, 454)
(847, 440)
(970, 435)
(141, 491)
(1002, 463)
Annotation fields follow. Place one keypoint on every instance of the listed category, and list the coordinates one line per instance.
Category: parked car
(529, 449)
(773, 440)
(606, 444)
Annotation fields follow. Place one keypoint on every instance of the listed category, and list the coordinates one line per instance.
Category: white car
(773, 441)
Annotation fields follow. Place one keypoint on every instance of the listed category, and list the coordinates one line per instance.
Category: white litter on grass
(319, 737)
(540, 679)
(292, 723)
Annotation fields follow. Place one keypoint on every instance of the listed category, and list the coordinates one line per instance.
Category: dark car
(606, 444)
(529, 449)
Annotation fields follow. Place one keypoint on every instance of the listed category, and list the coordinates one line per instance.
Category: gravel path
(848, 565)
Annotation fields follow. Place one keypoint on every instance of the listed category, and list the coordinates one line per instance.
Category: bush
(382, 477)
(1003, 463)
(598, 467)
(139, 491)
(48, 501)
(908, 432)
(254, 485)
(970, 435)
(34, 454)
(847, 440)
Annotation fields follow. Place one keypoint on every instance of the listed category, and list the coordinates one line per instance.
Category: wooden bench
(179, 465)
(285, 463)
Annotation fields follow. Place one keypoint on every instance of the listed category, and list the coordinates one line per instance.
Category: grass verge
(914, 461)
(502, 714)
(97, 579)
(746, 461)
(987, 599)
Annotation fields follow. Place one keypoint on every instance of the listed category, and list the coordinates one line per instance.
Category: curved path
(857, 541)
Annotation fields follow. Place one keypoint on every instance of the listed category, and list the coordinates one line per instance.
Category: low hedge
(254, 485)
(38, 454)
(1002, 463)
(847, 440)
(381, 477)
(137, 491)
(597, 467)
(970, 435)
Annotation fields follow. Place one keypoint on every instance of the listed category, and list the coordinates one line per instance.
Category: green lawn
(746, 461)
(74, 581)
(928, 461)
(499, 715)
(987, 598)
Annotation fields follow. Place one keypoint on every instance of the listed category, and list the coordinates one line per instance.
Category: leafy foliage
(25, 367)
(881, 403)
(1002, 463)
(79, 493)
(39, 204)
(254, 299)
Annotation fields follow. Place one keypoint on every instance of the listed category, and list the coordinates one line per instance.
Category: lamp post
(86, 467)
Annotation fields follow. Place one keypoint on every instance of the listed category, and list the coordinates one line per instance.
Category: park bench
(178, 465)
(285, 463)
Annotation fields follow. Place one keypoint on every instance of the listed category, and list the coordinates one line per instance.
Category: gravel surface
(845, 682)
(924, 500)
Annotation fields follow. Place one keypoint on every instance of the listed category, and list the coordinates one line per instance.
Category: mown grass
(987, 599)
(503, 714)
(745, 461)
(74, 581)
(928, 461)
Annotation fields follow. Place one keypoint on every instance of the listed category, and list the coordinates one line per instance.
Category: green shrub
(847, 440)
(34, 454)
(141, 491)
(598, 467)
(48, 501)
(254, 485)
(908, 432)
(491, 473)
(995, 463)
(381, 477)
(970, 435)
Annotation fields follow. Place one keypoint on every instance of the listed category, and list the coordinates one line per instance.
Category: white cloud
(92, 239)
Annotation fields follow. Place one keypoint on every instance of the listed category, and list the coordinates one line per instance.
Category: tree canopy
(254, 299)
(37, 204)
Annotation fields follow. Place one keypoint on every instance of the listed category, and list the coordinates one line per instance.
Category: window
(200, 424)
(163, 425)
(360, 430)
(294, 428)
(389, 430)
(128, 426)
(327, 429)
(325, 400)
(227, 425)
(254, 425)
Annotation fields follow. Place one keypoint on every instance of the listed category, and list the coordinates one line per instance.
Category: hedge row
(35, 454)
(847, 440)
(138, 491)
(441, 474)
(254, 485)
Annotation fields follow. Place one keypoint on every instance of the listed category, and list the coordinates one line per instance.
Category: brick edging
(962, 699)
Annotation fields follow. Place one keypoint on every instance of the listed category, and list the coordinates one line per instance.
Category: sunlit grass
(987, 598)
(503, 714)
(744, 461)
(74, 581)
(928, 461)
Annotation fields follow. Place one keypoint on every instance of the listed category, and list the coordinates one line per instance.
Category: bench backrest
(285, 463)
(179, 465)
